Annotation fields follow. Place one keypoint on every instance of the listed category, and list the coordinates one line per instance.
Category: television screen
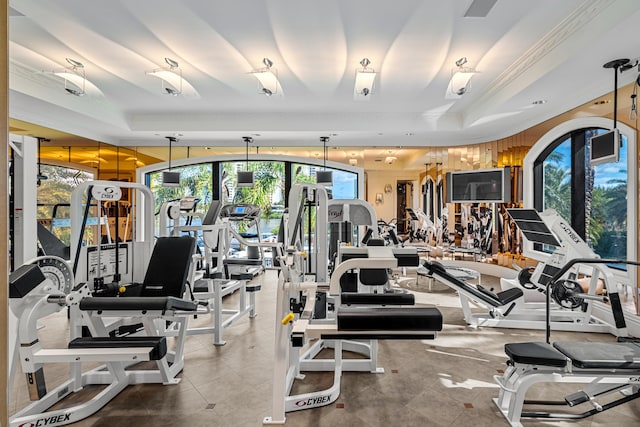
(245, 179)
(605, 148)
(170, 179)
(488, 185)
(324, 177)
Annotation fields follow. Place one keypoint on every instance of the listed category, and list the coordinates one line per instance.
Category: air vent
(479, 8)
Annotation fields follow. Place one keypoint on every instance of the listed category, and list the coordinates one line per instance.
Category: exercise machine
(315, 314)
(34, 295)
(520, 303)
(209, 283)
(244, 224)
(98, 263)
(551, 241)
(610, 370)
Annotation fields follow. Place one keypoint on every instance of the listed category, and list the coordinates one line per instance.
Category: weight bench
(607, 368)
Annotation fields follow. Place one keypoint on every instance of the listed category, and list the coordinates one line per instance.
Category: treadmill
(244, 218)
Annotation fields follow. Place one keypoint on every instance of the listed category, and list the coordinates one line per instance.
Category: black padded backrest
(374, 276)
(50, 243)
(213, 213)
(375, 242)
(168, 268)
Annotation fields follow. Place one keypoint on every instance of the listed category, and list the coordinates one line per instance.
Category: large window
(195, 180)
(54, 193)
(267, 192)
(345, 184)
(272, 180)
(592, 199)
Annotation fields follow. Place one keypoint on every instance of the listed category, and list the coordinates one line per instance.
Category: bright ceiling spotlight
(365, 78)
(267, 78)
(460, 77)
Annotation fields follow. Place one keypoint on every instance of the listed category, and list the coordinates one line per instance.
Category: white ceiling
(524, 51)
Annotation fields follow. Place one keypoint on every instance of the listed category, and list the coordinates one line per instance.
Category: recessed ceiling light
(539, 102)
(409, 134)
(601, 102)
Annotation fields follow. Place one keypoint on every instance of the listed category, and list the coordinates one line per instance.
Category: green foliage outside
(607, 216)
(57, 189)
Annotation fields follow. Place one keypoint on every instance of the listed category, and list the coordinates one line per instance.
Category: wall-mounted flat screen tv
(605, 148)
(484, 185)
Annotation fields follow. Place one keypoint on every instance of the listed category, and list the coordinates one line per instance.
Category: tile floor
(444, 382)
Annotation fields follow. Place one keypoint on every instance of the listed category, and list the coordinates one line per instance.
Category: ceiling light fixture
(245, 178)
(365, 78)
(460, 77)
(170, 76)
(267, 76)
(75, 80)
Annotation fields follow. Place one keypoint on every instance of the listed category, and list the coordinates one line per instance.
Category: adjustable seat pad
(158, 344)
(136, 304)
(389, 319)
(600, 355)
(355, 298)
(535, 353)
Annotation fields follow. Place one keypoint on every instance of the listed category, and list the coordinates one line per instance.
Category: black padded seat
(600, 355)
(158, 344)
(355, 298)
(408, 260)
(504, 297)
(136, 304)
(535, 353)
(389, 319)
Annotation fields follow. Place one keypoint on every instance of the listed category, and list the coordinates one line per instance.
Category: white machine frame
(518, 378)
(141, 245)
(299, 339)
(216, 241)
(44, 300)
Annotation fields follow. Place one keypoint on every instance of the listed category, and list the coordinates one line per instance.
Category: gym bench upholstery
(606, 368)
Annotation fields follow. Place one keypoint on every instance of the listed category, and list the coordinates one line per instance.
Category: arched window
(592, 198)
